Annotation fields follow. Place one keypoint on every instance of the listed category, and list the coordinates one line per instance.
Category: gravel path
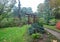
(56, 34)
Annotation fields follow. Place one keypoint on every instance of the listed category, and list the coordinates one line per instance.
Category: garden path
(45, 37)
(56, 34)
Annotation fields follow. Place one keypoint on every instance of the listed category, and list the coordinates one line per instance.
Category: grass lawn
(13, 34)
(51, 27)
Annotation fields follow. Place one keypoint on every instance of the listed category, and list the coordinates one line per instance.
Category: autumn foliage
(58, 25)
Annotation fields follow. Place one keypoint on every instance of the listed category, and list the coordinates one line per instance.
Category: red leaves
(58, 25)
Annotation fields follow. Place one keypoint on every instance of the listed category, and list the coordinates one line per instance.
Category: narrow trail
(56, 34)
(44, 38)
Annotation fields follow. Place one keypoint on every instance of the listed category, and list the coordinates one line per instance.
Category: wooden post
(34, 18)
(29, 16)
(28, 19)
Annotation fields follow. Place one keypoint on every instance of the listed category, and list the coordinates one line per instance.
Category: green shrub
(41, 20)
(10, 22)
(36, 35)
(52, 22)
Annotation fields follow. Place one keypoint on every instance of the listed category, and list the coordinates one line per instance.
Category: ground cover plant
(13, 34)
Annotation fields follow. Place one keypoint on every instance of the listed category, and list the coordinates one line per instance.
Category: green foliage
(40, 9)
(6, 7)
(56, 12)
(41, 21)
(9, 22)
(54, 4)
(25, 10)
(52, 22)
(36, 35)
(23, 20)
(13, 34)
(51, 27)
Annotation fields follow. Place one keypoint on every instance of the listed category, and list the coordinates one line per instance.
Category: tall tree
(40, 9)
(55, 5)
(29, 10)
(15, 12)
(26, 10)
(47, 10)
(6, 7)
(19, 9)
